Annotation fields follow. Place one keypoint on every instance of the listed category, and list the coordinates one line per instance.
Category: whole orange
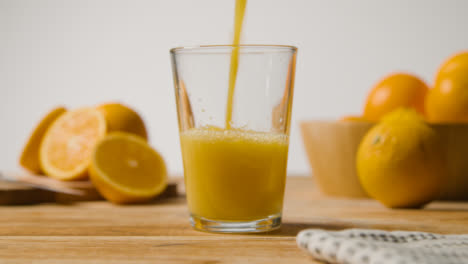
(447, 101)
(399, 161)
(457, 62)
(395, 91)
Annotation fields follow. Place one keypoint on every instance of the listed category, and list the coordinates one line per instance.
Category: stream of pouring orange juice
(238, 21)
(233, 174)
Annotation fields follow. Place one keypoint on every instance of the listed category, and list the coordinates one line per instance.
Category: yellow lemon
(125, 169)
(122, 118)
(29, 158)
(400, 161)
(66, 148)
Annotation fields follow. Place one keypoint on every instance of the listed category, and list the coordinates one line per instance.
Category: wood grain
(159, 232)
(184, 249)
(331, 148)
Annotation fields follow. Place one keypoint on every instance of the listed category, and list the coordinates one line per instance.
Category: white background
(84, 52)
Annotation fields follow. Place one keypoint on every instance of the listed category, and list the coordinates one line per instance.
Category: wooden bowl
(331, 147)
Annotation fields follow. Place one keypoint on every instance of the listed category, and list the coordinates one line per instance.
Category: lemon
(125, 169)
(122, 118)
(400, 161)
(29, 158)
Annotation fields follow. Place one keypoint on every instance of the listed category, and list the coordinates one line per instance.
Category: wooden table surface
(100, 232)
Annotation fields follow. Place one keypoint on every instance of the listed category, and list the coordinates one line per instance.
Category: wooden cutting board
(22, 194)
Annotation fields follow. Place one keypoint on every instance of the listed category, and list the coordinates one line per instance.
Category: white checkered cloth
(361, 246)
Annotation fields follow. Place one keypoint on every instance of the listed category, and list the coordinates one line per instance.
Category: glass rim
(217, 48)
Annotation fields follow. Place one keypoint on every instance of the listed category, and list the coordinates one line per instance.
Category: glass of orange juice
(234, 107)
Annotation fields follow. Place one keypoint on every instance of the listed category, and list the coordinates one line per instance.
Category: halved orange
(122, 118)
(125, 169)
(29, 158)
(67, 145)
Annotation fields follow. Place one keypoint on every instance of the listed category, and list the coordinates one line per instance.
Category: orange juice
(238, 20)
(234, 175)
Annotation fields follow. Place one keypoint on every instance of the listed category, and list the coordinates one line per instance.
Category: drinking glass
(235, 171)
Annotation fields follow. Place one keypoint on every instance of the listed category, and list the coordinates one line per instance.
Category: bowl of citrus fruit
(408, 147)
(106, 144)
